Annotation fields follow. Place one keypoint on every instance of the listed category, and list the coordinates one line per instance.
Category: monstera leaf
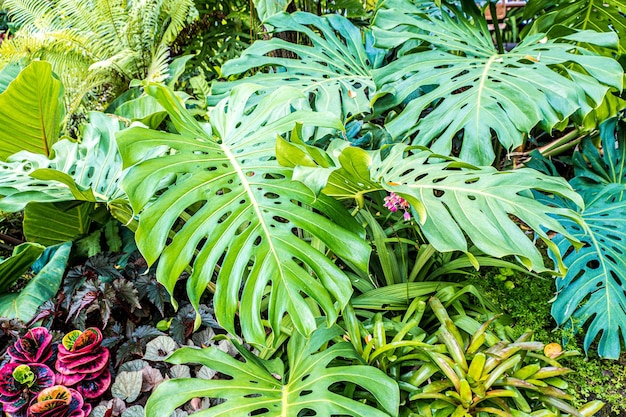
(335, 70)
(592, 292)
(261, 387)
(31, 110)
(461, 84)
(86, 171)
(219, 201)
(598, 15)
(452, 199)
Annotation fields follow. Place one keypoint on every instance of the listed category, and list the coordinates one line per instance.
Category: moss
(525, 299)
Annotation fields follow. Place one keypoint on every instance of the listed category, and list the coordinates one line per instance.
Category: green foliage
(86, 171)
(12, 268)
(55, 223)
(333, 64)
(469, 88)
(601, 16)
(250, 232)
(31, 109)
(592, 291)
(273, 388)
(452, 200)
(42, 287)
(96, 46)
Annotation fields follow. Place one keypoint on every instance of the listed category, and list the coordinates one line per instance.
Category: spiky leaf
(255, 386)
(469, 88)
(220, 202)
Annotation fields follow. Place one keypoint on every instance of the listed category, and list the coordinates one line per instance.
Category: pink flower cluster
(45, 379)
(394, 203)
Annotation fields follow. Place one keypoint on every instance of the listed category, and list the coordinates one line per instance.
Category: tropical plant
(97, 47)
(59, 401)
(456, 69)
(592, 292)
(309, 381)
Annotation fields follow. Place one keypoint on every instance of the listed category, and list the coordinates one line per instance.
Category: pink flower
(394, 202)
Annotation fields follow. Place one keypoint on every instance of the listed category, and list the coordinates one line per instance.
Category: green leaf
(469, 88)
(7, 74)
(598, 15)
(219, 201)
(253, 388)
(41, 288)
(12, 268)
(592, 293)
(456, 201)
(31, 110)
(54, 223)
(268, 8)
(335, 70)
(86, 171)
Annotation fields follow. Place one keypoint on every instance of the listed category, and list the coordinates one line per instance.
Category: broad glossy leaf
(86, 171)
(456, 201)
(54, 223)
(12, 268)
(305, 386)
(267, 8)
(31, 109)
(598, 15)
(220, 202)
(469, 88)
(335, 69)
(24, 304)
(7, 74)
(593, 291)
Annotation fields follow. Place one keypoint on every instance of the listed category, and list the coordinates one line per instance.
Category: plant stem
(10, 240)
(496, 27)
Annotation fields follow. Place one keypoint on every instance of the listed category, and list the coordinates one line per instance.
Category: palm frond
(27, 12)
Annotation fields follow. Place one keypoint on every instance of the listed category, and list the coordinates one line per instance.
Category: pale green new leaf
(31, 110)
(268, 8)
(598, 15)
(219, 201)
(255, 386)
(458, 83)
(455, 201)
(86, 171)
(335, 69)
(23, 305)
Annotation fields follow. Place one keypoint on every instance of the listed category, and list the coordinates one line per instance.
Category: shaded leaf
(54, 223)
(12, 268)
(127, 386)
(42, 287)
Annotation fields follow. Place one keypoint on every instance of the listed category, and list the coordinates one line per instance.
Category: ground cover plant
(304, 223)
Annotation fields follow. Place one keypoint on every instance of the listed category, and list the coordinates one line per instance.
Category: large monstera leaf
(264, 388)
(454, 201)
(335, 69)
(460, 84)
(86, 171)
(592, 292)
(219, 201)
(598, 15)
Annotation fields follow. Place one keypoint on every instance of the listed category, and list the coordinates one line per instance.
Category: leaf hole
(593, 264)
(438, 193)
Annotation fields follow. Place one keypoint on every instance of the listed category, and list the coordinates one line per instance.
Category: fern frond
(180, 12)
(27, 12)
